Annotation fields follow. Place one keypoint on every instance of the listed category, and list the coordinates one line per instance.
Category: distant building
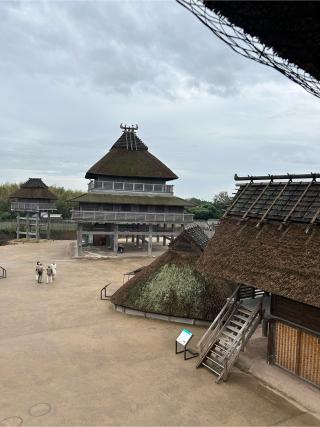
(33, 203)
(128, 195)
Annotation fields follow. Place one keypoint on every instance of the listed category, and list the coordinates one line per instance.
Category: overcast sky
(71, 72)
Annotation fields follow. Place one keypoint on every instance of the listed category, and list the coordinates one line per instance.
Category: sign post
(183, 339)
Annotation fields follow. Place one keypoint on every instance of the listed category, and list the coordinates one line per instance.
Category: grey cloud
(71, 72)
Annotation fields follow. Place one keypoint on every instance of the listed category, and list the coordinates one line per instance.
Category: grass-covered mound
(176, 290)
(172, 286)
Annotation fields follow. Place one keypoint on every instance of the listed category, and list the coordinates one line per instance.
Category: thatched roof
(286, 264)
(291, 28)
(34, 188)
(192, 239)
(270, 239)
(172, 286)
(124, 199)
(129, 158)
(282, 201)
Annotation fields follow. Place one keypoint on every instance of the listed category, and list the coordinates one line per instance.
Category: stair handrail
(240, 342)
(4, 272)
(216, 324)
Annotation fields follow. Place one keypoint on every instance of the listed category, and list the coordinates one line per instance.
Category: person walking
(49, 274)
(37, 275)
(54, 269)
(39, 270)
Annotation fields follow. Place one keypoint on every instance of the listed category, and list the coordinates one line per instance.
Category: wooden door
(297, 352)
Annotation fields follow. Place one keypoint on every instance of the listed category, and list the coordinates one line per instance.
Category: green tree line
(204, 209)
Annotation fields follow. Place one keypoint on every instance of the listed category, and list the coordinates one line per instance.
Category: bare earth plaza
(78, 362)
(167, 273)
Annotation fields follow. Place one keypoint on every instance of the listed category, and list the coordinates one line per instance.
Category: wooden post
(37, 225)
(115, 238)
(79, 240)
(48, 226)
(132, 238)
(150, 241)
(27, 225)
(18, 225)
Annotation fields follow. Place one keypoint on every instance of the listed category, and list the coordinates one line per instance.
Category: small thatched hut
(269, 240)
(31, 202)
(172, 286)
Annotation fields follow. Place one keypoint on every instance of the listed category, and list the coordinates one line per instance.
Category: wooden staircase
(227, 336)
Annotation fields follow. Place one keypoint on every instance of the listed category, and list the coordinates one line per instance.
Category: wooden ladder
(220, 348)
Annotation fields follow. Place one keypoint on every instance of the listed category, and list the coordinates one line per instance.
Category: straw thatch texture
(34, 188)
(192, 239)
(125, 199)
(284, 263)
(299, 200)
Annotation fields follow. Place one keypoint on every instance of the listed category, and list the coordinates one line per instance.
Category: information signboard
(184, 337)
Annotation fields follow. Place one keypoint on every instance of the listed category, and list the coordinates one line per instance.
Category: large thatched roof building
(172, 286)
(269, 239)
(128, 197)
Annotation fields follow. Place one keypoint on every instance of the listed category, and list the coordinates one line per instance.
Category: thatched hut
(172, 286)
(269, 239)
(30, 202)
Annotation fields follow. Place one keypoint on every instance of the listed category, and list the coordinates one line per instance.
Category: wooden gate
(298, 352)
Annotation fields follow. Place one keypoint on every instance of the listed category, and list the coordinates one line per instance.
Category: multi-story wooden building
(128, 195)
(33, 203)
(269, 239)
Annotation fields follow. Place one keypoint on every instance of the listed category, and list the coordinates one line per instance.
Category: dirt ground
(68, 358)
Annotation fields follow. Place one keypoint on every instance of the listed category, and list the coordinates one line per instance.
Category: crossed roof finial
(128, 128)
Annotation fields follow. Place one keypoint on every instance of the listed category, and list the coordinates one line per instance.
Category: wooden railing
(249, 292)
(211, 333)
(93, 216)
(239, 344)
(136, 187)
(32, 207)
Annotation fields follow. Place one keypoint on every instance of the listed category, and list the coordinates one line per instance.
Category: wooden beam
(296, 204)
(236, 199)
(272, 204)
(313, 220)
(256, 201)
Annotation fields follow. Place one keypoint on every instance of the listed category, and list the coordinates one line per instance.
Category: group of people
(51, 272)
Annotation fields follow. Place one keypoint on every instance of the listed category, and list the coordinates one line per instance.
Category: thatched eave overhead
(290, 28)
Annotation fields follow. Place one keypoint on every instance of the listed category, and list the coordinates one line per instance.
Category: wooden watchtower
(33, 203)
(128, 196)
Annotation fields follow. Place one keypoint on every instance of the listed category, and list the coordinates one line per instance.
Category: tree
(205, 210)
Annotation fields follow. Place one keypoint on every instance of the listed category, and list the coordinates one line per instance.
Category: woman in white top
(54, 270)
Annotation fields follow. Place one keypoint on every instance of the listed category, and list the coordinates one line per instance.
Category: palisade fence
(56, 225)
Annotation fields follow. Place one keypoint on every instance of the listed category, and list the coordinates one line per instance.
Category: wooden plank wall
(298, 352)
